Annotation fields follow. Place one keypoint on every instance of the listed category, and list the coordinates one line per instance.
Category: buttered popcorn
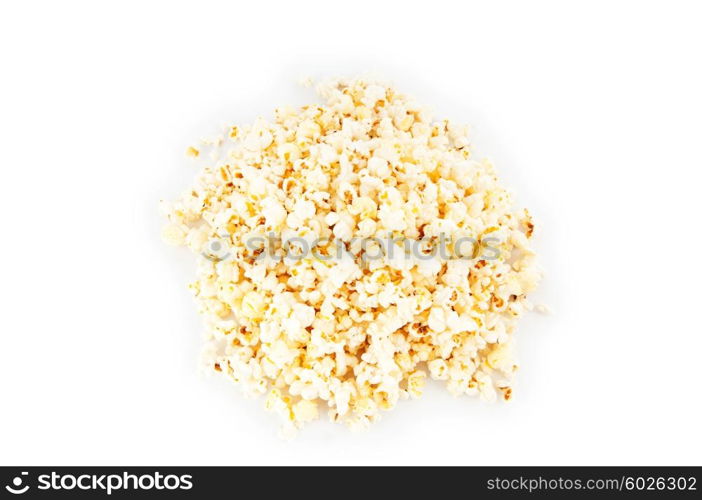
(313, 296)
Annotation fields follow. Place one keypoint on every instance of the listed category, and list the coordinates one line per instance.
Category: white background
(591, 112)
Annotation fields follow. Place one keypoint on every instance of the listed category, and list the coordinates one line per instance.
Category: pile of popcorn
(338, 331)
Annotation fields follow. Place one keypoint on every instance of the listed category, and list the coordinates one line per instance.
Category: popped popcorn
(312, 295)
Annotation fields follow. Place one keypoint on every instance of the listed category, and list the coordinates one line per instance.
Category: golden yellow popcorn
(415, 383)
(305, 411)
(252, 306)
(348, 249)
(173, 234)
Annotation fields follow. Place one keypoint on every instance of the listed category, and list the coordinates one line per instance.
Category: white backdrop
(591, 112)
